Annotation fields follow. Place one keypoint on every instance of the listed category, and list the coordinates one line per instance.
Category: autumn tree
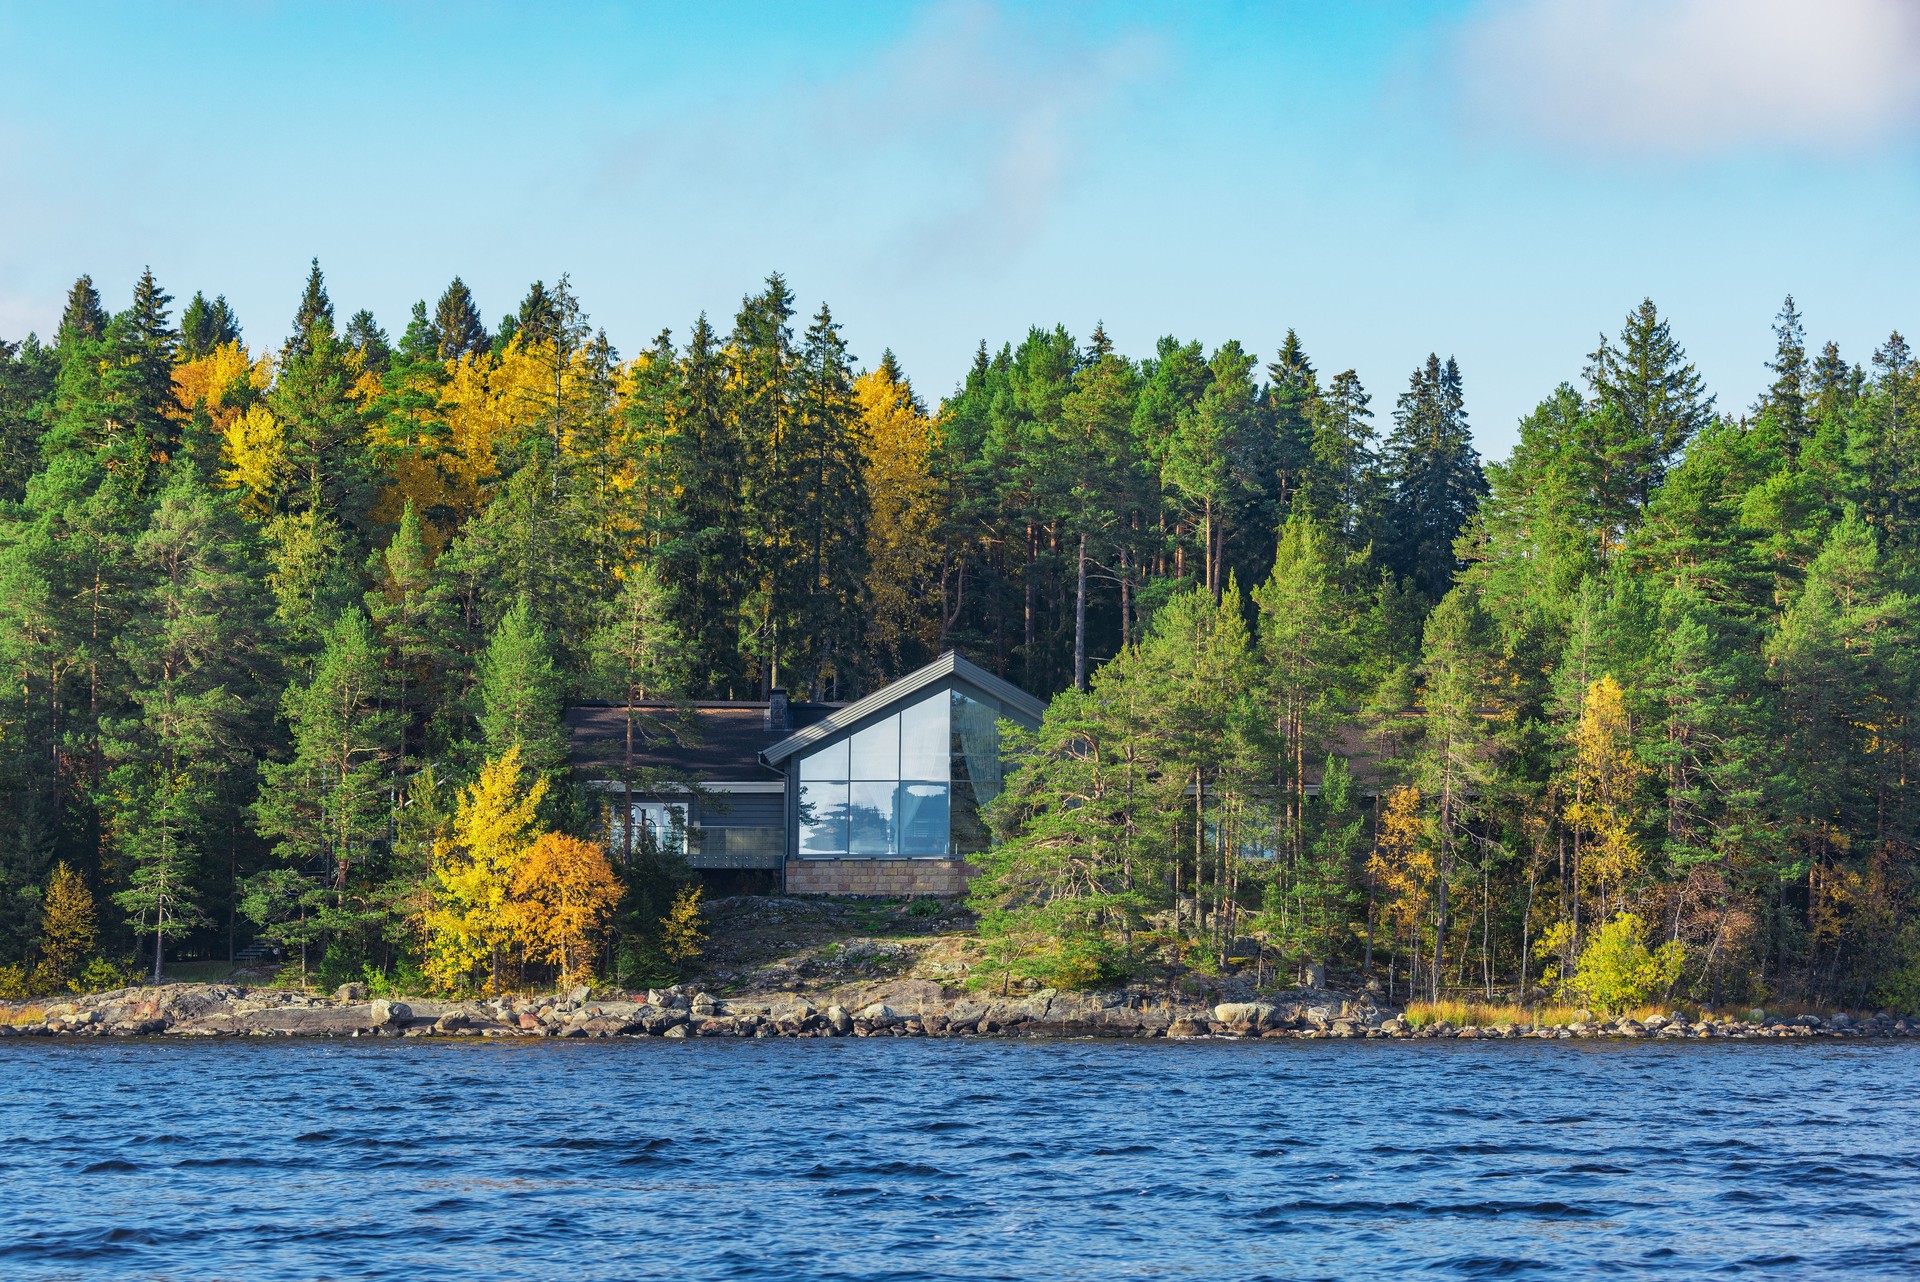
(472, 921)
(68, 928)
(563, 895)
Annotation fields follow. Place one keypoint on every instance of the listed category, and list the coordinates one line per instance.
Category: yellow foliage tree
(221, 383)
(903, 580)
(564, 890)
(1606, 784)
(255, 449)
(68, 929)
(1402, 867)
(682, 933)
(473, 920)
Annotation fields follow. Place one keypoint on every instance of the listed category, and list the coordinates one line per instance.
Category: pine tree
(638, 657)
(182, 758)
(28, 375)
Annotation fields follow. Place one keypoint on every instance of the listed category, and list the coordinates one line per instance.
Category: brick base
(886, 878)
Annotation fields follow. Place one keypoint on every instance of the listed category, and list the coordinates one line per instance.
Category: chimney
(779, 716)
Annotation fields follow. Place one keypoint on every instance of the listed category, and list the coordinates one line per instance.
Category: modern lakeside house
(878, 797)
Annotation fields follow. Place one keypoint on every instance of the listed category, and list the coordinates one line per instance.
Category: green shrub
(1617, 971)
(13, 984)
(100, 975)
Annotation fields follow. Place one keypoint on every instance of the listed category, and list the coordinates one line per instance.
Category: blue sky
(1493, 179)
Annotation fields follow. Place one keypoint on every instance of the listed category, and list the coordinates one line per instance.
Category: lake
(977, 1159)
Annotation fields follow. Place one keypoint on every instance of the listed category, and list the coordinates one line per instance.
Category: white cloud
(1687, 78)
(960, 138)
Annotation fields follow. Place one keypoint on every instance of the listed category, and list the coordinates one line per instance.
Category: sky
(1496, 180)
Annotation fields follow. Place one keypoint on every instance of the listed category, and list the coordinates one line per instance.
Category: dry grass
(24, 1015)
(1463, 1014)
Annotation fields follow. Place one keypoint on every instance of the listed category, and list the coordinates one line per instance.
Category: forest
(288, 631)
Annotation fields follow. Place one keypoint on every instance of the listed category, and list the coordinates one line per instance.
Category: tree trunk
(1080, 622)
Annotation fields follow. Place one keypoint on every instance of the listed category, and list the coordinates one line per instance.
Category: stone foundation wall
(891, 878)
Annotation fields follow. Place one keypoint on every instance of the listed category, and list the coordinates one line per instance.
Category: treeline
(1663, 704)
(269, 615)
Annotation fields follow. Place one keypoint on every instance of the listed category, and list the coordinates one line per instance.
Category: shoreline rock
(902, 1008)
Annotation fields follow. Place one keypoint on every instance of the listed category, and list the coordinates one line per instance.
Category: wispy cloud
(1692, 78)
(961, 138)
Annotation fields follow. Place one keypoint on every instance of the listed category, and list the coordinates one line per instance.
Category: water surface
(897, 1159)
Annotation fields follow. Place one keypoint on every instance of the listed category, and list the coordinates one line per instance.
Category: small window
(661, 824)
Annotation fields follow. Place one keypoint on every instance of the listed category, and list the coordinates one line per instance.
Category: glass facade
(912, 784)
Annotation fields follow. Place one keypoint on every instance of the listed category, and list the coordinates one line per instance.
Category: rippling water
(871, 1159)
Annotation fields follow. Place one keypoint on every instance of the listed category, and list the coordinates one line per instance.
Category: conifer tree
(205, 326)
(457, 325)
(1787, 397)
(520, 695)
(367, 342)
(1436, 477)
(84, 319)
(1654, 400)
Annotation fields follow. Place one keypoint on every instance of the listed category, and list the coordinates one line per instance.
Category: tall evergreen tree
(205, 326)
(1435, 475)
(457, 325)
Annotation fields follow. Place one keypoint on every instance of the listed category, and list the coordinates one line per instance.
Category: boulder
(350, 993)
(1185, 1028)
(1245, 1016)
(839, 1021)
(383, 1013)
(678, 1030)
(578, 994)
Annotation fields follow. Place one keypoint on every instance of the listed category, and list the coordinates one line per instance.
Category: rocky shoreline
(901, 1008)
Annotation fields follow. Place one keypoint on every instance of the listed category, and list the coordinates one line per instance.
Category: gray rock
(578, 994)
(839, 1021)
(382, 1012)
(1245, 1016)
(350, 993)
(678, 1030)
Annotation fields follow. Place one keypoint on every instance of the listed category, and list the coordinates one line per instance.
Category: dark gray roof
(723, 743)
(1011, 697)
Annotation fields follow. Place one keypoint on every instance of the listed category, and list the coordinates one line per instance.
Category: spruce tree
(1787, 397)
(520, 696)
(312, 318)
(84, 319)
(366, 340)
(1655, 401)
(205, 326)
(1435, 476)
(457, 325)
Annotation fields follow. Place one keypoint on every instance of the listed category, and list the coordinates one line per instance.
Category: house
(882, 796)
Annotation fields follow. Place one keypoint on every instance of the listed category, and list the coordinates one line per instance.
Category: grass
(1462, 1014)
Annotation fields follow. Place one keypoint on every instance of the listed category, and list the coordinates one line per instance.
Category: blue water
(895, 1159)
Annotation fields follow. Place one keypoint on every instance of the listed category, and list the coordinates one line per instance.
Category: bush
(405, 980)
(1616, 971)
(100, 975)
(14, 984)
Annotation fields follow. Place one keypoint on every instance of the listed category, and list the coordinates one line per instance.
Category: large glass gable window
(912, 784)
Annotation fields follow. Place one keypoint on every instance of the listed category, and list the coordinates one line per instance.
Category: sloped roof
(724, 744)
(1011, 697)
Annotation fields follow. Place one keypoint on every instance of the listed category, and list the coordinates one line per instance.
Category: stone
(1316, 974)
(450, 1021)
(839, 1021)
(1184, 1028)
(578, 994)
(879, 1014)
(1245, 1016)
(383, 1013)
(350, 993)
(528, 1020)
(678, 1030)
